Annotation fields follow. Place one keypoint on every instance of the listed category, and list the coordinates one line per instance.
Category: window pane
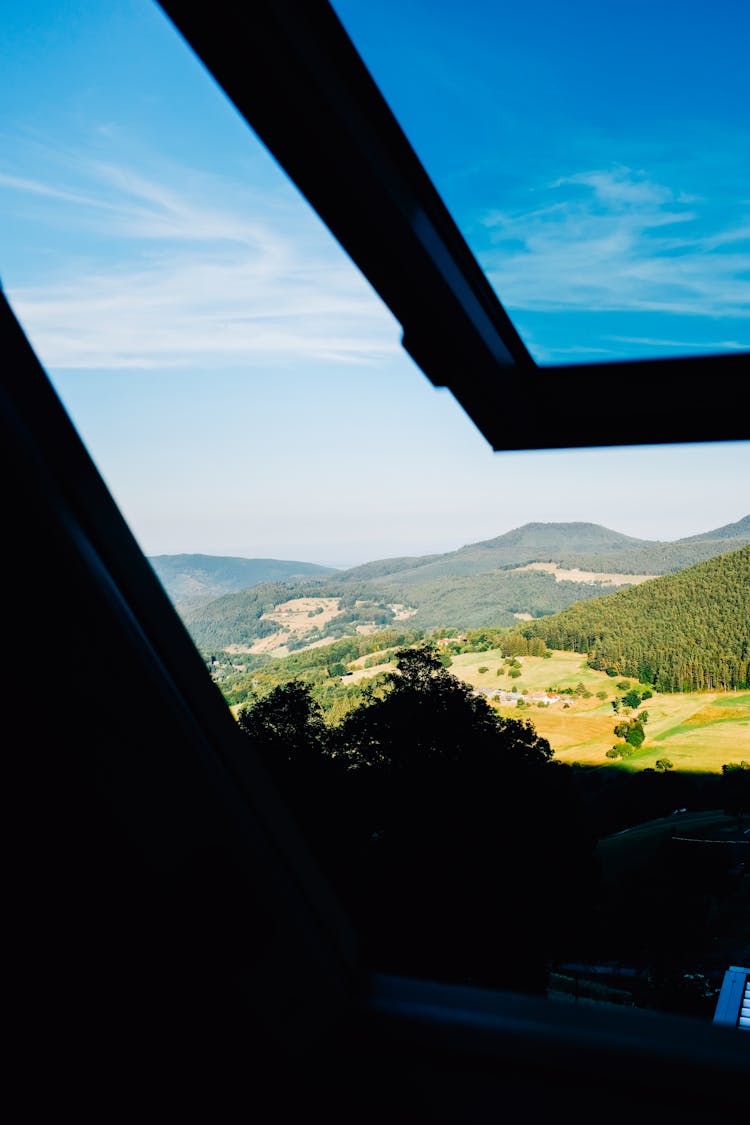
(595, 157)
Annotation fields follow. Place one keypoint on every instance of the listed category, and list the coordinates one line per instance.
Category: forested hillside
(688, 631)
(585, 545)
(187, 578)
(490, 599)
(235, 619)
(483, 584)
(661, 558)
(545, 542)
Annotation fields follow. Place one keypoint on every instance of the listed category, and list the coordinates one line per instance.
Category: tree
(663, 764)
(460, 809)
(288, 732)
(635, 736)
(735, 782)
(435, 817)
(286, 726)
(422, 712)
(631, 730)
(632, 698)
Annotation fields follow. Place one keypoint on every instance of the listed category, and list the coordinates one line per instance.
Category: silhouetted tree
(451, 835)
(479, 854)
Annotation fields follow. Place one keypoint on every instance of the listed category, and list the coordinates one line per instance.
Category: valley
(695, 731)
(583, 609)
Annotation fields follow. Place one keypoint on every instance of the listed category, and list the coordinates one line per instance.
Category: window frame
(294, 75)
(337, 1032)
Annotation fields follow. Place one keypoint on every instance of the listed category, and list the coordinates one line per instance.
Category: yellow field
(696, 731)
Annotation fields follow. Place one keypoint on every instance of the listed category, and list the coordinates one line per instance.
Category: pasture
(695, 731)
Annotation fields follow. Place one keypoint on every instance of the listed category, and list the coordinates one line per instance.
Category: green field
(695, 731)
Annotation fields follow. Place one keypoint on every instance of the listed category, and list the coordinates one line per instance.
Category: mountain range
(529, 572)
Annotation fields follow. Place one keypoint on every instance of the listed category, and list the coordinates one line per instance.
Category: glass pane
(596, 158)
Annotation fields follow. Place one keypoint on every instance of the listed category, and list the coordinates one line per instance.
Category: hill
(734, 531)
(587, 546)
(534, 542)
(688, 631)
(187, 578)
(481, 584)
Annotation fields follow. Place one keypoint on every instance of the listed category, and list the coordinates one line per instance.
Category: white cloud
(619, 187)
(606, 240)
(193, 274)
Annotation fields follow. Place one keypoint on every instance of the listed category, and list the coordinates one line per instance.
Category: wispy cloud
(26, 186)
(705, 345)
(615, 240)
(173, 269)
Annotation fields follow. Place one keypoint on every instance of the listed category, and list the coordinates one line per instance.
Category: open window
(165, 895)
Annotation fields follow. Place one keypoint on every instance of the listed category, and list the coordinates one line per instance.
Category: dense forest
(688, 631)
(471, 601)
(655, 558)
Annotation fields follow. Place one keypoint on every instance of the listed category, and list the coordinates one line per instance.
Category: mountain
(534, 542)
(478, 585)
(738, 530)
(688, 631)
(584, 546)
(193, 579)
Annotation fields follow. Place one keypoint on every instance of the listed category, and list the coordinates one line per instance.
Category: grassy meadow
(695, 731)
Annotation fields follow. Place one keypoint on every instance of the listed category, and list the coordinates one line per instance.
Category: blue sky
(241, 388)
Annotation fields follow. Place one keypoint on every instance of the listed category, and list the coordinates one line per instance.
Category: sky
(237, 382)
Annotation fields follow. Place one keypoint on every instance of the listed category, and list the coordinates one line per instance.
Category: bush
(631, 698)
